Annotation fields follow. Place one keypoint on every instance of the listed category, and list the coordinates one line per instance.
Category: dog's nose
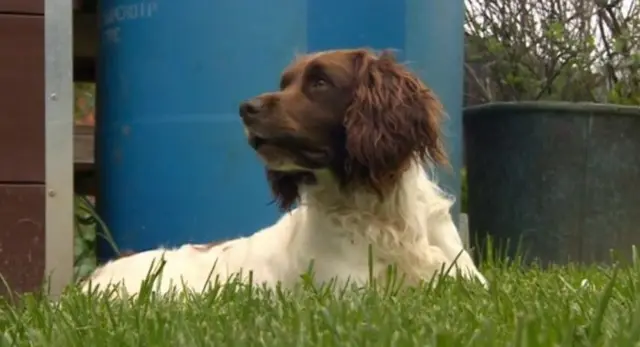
(250, 107)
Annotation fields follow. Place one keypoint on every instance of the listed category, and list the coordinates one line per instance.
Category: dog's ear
(285, 187)
(393, 118)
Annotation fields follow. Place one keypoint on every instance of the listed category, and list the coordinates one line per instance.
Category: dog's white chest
(339, 255)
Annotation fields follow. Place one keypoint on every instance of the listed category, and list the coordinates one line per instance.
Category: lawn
(530, 307)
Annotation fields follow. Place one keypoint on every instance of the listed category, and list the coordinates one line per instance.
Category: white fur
(412, 228)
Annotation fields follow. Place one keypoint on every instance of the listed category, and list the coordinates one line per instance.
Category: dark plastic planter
(562, 180)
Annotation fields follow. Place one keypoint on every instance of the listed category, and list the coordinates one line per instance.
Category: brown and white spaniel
(346, 137)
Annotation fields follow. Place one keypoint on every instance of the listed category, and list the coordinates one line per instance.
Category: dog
(346, 142)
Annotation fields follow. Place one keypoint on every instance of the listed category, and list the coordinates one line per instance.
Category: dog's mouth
(256, 141)
(295, 151)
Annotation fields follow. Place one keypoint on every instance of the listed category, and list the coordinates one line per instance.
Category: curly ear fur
(393, 118)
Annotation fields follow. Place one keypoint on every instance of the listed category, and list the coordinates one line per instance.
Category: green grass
(84, 246)
(531, 307)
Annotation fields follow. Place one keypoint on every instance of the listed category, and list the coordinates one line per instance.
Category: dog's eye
(319, 83)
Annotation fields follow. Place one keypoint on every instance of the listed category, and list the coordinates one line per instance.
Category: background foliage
(568, 50)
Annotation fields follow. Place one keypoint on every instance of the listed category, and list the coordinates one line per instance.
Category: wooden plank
(85, 176)
(22, 6)
(22, 238)
(34, 6)
(83, 144)
(21, 98)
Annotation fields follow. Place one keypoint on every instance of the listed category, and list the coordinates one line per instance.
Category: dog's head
(360, 115)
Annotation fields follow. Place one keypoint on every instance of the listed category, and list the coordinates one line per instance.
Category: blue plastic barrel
(174, 166)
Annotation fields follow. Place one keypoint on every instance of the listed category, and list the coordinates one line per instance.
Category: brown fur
(393, 118)
(361, 115)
